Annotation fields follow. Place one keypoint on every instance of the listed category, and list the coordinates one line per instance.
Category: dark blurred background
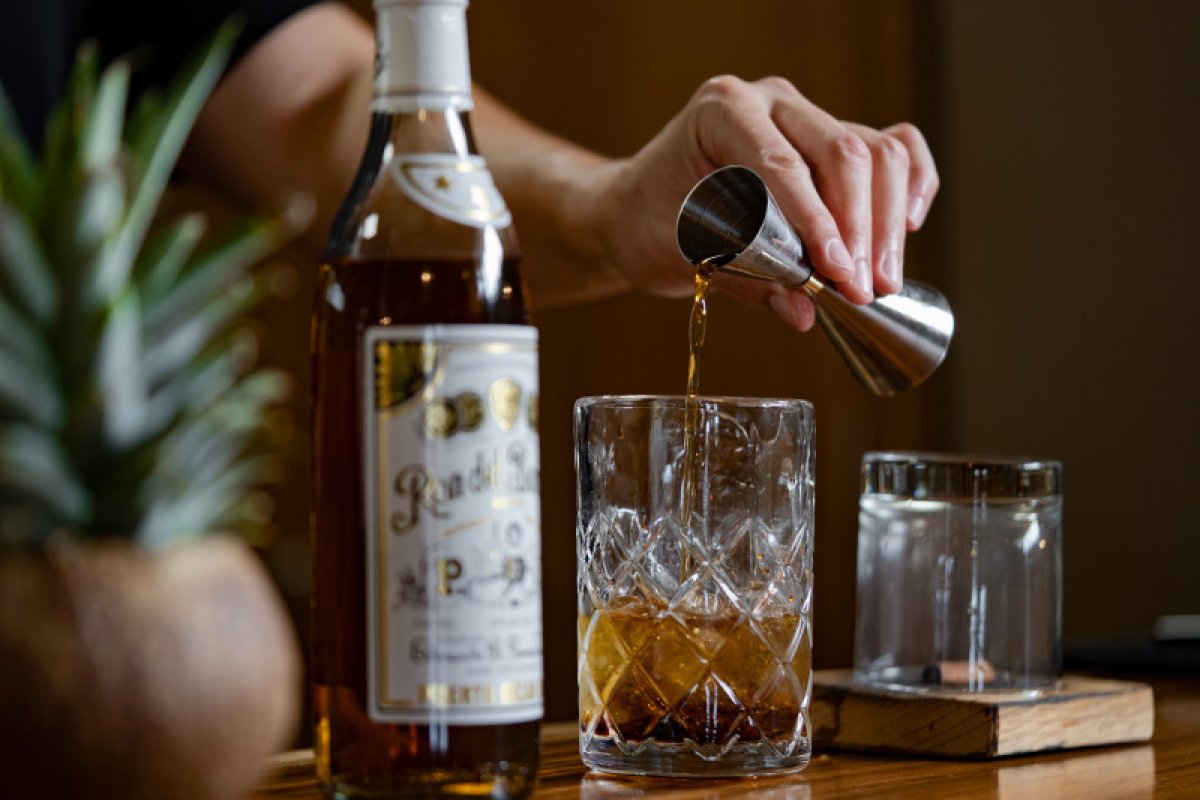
(1065, 236)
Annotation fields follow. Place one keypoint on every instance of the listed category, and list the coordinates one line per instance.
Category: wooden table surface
(1168, 766)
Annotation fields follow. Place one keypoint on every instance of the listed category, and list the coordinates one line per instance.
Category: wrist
(566, 215)
(592, 214)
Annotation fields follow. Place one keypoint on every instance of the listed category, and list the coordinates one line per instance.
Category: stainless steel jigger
(729, 219)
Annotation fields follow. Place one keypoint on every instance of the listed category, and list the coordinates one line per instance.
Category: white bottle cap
(422, 60)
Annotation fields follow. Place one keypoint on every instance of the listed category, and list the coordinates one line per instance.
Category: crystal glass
(959, 572)
(694, 584)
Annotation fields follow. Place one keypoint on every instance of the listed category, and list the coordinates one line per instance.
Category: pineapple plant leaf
(16, 162)
(130, 403)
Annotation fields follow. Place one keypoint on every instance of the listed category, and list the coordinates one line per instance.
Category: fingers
(793, 308)
(842, 167)
(734, 125)
(890, 168)
(923, 180)
(851, 192)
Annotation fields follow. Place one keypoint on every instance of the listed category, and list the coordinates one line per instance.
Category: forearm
(559, 198)
(283, 121)
(291, 116)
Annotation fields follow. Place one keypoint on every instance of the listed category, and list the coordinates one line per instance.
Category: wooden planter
(135, 675)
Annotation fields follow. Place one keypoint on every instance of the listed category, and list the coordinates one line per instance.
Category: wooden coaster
(1080, 713)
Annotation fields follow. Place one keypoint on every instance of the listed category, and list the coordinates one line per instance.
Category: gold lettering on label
(421, 489)
(531, 411)
(441, 419)
(465, 526)
(482, 487)
(402, 369)
(470, 408)
(444, 695)
(499, 503)
(514, 569)
(448, 570)
(504, 396)
(519, 692)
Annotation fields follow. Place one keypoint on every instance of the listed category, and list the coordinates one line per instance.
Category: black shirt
(39, 40)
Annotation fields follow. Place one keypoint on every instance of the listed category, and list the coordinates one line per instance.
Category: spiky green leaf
(26, 393)
(174, 350)
(215, 268)
(100, 139)
(19, 180)
(25, 274)
(86, 221)
(203, 507)
(237, 412)
(164, 256)
(125, 399)
(145, 119)
(190, 391)
(23, 341)
(156, 153)
(60, 150)
(120, 376)
(34, 462)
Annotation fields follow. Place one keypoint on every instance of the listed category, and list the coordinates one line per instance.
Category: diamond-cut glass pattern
(694, 636)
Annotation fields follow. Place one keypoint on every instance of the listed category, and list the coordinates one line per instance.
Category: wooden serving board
(1082, 712)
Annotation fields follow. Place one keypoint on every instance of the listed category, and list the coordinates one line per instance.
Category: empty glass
(694, 603)
(959, 572)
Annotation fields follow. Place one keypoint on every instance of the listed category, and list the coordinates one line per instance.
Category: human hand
(851, 192)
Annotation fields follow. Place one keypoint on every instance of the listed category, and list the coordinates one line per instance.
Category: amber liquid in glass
(357, 757)
(699, 677)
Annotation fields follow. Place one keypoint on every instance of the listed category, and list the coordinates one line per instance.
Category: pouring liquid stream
(697, 326)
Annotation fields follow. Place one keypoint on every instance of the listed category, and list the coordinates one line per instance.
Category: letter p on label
(448, 570)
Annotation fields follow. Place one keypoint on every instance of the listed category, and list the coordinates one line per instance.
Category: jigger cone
(891, 344)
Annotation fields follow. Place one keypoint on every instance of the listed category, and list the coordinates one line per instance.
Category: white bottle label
(453, 524)
(455, 187)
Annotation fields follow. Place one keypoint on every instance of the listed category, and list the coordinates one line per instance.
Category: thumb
(791, 306)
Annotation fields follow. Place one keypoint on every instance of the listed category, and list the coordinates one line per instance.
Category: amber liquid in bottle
(352, 751)
(391, 262)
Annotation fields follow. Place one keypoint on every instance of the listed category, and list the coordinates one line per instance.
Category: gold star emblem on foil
(442, 183)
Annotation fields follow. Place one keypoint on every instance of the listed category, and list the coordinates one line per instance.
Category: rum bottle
(427, 663)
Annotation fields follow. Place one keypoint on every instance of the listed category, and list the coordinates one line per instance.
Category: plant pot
(136, 675)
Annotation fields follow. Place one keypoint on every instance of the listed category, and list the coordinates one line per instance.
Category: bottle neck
(443, 131)
(422, 63)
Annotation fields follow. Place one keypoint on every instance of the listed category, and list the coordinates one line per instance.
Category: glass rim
(928, 475)
(644, 400)
(974, 460)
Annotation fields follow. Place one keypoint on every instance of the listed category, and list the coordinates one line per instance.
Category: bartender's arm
(293, 115)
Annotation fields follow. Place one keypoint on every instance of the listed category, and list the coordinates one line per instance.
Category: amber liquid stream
(697, 327)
